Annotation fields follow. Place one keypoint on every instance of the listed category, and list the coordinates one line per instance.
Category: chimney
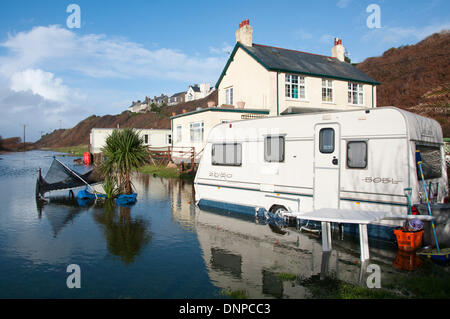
(338, 51)
(244, 34)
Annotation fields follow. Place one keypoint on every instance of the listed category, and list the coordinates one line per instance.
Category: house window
(178, 133)
(146, 139)
(327, 90)
(274, 149)
(357, 154)
(226, 154)
(326, 140)
(355, 93)
(295, 86)
(229, 96)
(197, 132)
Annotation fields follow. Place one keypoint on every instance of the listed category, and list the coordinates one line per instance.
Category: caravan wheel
(277, 209)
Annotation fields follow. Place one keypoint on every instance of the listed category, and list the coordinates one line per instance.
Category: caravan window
(326, 140)
(431, 161)
(226, 154)
(274, 149)
(357, 154)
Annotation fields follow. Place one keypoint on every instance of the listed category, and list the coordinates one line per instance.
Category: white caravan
(362, 160)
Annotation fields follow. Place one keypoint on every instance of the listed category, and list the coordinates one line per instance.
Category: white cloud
(35, 87)
(224, 49)
(343, 3)
(402, 35)
(39, 82)
(98, 56)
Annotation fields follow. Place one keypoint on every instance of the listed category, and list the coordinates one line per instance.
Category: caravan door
(326, 166)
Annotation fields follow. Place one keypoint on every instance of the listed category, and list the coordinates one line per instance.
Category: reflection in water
(125, 236)
(182, 200)
(242, 255)
(226, 261)
(59, 211)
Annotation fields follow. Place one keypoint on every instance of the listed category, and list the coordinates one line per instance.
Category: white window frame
(237, 152)
(179, 133)
(355, 88)
(197, 126)
(279, 156)
(327, 87)
(229, 98)
(289, 83)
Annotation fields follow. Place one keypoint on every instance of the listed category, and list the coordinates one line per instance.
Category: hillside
(80, 133)
(415, 77)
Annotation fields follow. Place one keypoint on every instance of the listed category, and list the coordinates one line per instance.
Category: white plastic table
(330, 215)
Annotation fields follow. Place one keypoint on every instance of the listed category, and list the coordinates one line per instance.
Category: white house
(191, 129)
(151, 138)
(138, 107)
(289, 81)
(196, 92)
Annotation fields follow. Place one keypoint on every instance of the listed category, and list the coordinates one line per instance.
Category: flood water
(162, 247)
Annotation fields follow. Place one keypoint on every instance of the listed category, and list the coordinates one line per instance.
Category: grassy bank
(73, 150)
(165, 172)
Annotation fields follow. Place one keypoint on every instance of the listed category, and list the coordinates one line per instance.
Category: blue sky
(51, 75)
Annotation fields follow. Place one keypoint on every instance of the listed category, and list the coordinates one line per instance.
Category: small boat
(441, 256)
(85, 194)
(59, 177)
(126, 199)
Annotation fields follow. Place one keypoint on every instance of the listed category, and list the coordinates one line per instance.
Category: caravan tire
(277, 208)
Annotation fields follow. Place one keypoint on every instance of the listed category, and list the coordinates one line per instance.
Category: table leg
(326, 236)
(363, 242)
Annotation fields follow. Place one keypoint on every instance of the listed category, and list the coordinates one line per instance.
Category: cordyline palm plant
(124, 151)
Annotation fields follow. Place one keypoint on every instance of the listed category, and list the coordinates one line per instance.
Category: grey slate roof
(178, 94)
(285, 60)
(195, 88)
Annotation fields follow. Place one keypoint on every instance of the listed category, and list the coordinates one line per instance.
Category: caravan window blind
(274, 149)
(326, 140)
(357, 154)
(431, 161)
(226, 154)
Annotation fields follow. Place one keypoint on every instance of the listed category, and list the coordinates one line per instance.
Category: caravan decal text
(222, 175)
(383, 180)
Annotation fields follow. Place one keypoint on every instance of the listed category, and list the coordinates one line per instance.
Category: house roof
(219, 109)
(292, 61)
(195, 88)
(178, 94)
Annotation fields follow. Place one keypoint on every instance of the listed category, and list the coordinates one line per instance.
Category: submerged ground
(165, 247)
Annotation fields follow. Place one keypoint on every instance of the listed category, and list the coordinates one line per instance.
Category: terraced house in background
(260, 80)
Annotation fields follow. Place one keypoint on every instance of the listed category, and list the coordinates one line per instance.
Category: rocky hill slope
(415, 77)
